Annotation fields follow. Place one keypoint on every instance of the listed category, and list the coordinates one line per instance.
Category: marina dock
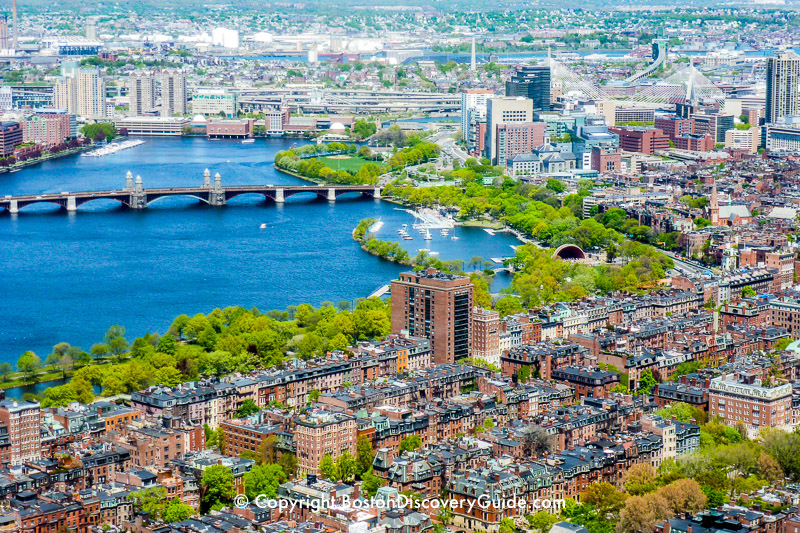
(430, 219)
(381, 292)
(113, 148)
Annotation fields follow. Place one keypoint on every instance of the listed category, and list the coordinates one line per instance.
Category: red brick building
(230, 129)
(322, 433)
(743, 398)
(10, 137)
(515, 139)
(23, 420)
(695, 142)
(674, 126)
(486, 335)
(642, 140)
(606, 161)
(588, 382)
(438, 306)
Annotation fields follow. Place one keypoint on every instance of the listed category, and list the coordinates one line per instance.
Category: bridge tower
(138, 199)
(331, 195)
(206, 179)
(129, 181)
(279, 198)
(217, 195)
(376, 193)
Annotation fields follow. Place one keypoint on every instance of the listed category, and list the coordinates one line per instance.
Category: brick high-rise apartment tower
(437, 306)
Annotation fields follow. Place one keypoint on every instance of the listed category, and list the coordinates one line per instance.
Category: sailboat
(428, 235)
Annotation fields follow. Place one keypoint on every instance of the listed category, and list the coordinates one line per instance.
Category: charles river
(68, 277)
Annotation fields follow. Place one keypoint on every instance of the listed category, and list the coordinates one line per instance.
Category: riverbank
(299, 176)
(46, 377)
(495, 225)
(49, 157)
(491, 224)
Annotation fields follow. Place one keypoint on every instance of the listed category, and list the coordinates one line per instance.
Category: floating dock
(381, 292)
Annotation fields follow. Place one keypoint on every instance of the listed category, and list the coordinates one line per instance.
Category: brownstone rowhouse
(438, 306)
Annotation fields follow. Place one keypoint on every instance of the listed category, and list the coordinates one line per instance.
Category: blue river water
(68, 277)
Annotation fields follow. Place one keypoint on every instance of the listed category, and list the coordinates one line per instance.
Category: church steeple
(713, 208)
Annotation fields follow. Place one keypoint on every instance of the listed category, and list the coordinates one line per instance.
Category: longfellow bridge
(212, 193)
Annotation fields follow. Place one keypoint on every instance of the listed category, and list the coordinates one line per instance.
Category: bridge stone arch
(157, 197)
(569, 251)
(321, 193)
(365, 192)
(268, 195)
(124, 200)
(58, 202)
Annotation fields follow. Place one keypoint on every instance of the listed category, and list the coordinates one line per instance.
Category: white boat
(263, 226)
(408, 238)
(428, 235)
(248, 141)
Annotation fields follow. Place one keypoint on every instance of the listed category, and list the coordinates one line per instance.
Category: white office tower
(142, 93)
(173, 92)
(313, 54)
(783, 77)
(91, 93)
(473, 112)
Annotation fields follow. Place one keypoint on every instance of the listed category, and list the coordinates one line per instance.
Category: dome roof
(198, 119)
(337, 126)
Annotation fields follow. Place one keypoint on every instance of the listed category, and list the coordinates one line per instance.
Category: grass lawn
(351, 163)
(16, 380)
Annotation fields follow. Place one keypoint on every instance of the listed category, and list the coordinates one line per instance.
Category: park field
(344, 162)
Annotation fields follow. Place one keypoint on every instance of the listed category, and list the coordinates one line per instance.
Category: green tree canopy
(263, 479)
(29, 364)
(217, 488)
(410, 443)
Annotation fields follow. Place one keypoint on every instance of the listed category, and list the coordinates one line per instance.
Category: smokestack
(472, 65)
(3, 32)
(16, 23)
